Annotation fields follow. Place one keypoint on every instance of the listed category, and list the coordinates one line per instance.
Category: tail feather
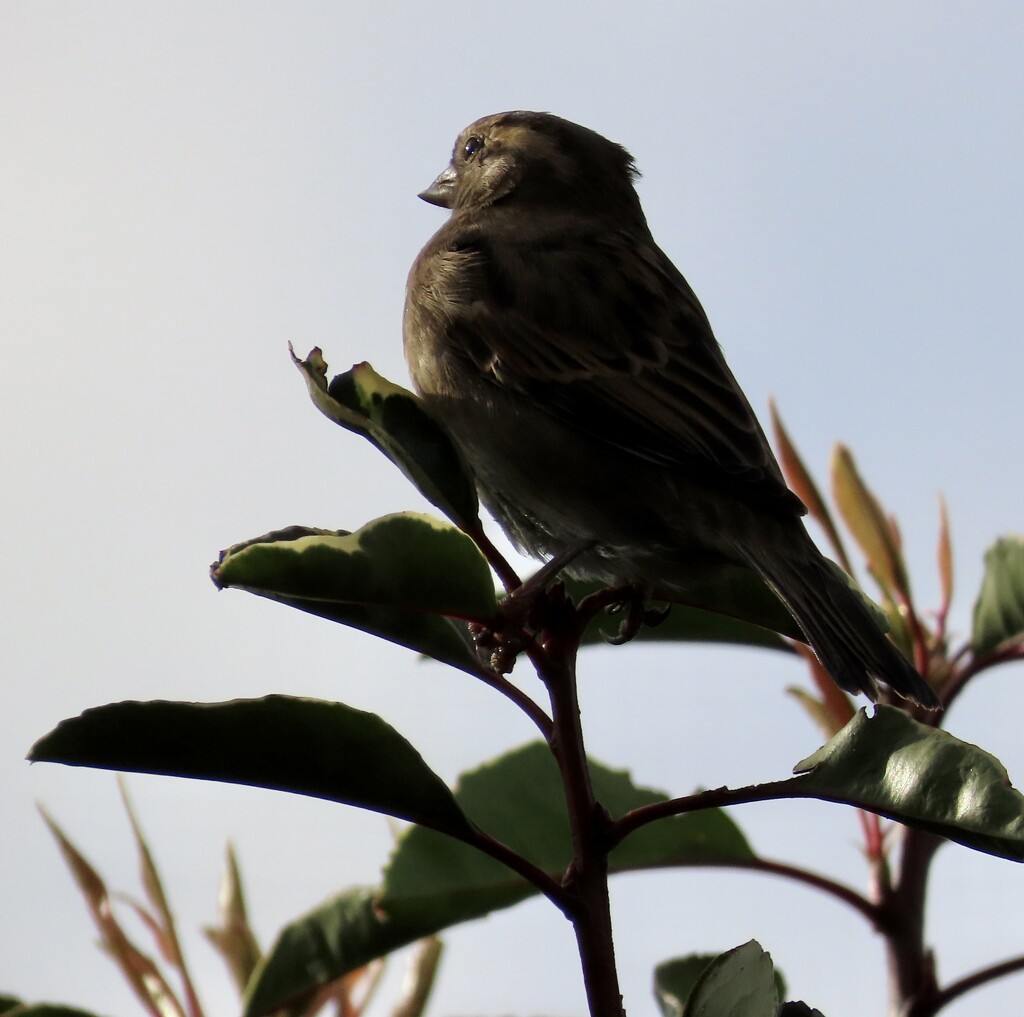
(838, 624)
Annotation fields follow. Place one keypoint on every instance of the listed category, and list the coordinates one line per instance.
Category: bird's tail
(838, 623)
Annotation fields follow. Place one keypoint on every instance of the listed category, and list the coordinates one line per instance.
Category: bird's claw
(636, 602)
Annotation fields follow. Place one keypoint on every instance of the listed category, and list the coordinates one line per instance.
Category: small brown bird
(575, 366)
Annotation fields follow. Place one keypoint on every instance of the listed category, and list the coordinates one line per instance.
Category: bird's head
(535, 159)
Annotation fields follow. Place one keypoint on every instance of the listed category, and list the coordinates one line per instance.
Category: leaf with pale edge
(406, 577)
(999, 610)
(890, 764)
(434, 882)
(395, 421)
(304, 746)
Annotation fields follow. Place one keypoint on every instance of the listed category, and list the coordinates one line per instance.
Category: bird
(578, 373)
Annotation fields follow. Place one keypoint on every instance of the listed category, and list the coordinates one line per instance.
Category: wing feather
(605, 334)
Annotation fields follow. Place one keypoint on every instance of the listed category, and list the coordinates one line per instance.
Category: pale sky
(186, 187)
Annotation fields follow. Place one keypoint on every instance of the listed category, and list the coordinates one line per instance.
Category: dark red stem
(586, 881)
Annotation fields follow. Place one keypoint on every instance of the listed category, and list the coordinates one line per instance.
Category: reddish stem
(964, 985)
(586, 881)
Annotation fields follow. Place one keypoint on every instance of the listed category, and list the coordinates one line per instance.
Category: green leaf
(434, 882)
(341, 935)
(304, 746)
(444, 639)
(740, 983)
(999, 610)
(405, 560)
(399, 578)
(675, 980)
(395, 421)
(890, 764)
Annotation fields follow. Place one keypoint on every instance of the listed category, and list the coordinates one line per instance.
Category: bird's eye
(472, 146)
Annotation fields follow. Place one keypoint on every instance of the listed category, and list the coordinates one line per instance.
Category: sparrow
(577, 370)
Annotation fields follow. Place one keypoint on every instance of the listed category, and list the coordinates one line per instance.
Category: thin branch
(713, 798)
(772, 791)
(586, 881)
(973, 981)
(840, 891)
(514, 694)
(498, 562)
(1006, 654)
(557, 894)
(535, 876)
(953, 659)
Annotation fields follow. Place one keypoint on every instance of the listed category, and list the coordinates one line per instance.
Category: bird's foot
(633, 601)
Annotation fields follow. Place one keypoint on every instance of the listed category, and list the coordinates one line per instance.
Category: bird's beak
(442, 191)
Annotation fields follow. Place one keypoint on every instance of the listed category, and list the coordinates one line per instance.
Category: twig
(502, 569)
(1005, 654)
(964, 985)
(512, 692)
(586, 881)
(719, 797)
(543, 881)
(845, 894)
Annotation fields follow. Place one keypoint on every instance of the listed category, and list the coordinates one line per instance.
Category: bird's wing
(607, 336)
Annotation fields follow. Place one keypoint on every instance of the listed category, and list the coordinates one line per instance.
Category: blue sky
(185, 188)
